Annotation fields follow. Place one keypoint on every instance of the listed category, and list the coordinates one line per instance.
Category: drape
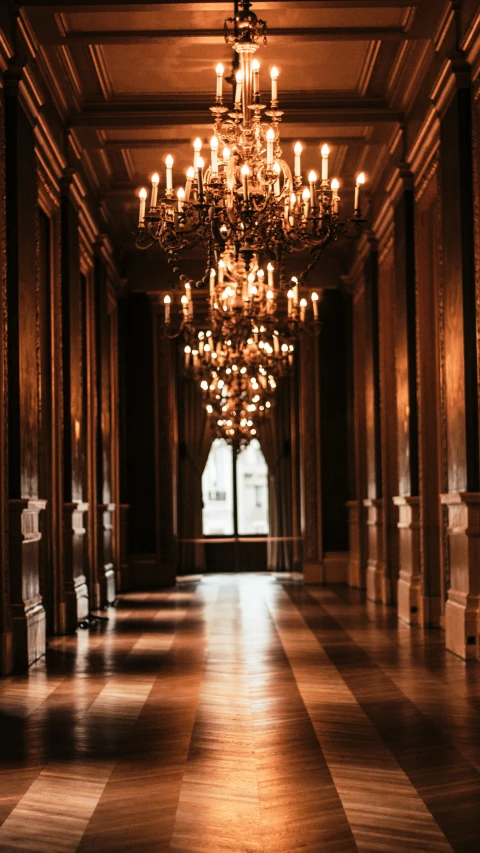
(195, 436)
(275, 439)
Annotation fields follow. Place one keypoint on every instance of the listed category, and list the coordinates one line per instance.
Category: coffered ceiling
(134, 81)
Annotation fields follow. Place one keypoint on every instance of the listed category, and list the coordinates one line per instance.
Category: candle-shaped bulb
(335, 185)
(169, 164)
(200, 163)
(238, 87)
(359, 182)
(325, 153)
(314, 297)
(306, 194)
(142, 196)
(274, 79)
(293, 200)
(226, 154)
(167, 300)
(297, 150)
(190, 173)
(270, 142)
(245, 172)
(219, 69)
(155, 183)
(256, 76)
(181, 199)
(214, 154)
(197, 147)
(312, 177)
(270, 272)
(303, 303)
(269, 294)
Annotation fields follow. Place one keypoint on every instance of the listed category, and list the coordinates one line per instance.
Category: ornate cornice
(454, 75)
(425, 146)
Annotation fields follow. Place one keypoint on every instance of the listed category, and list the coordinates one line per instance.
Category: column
(166, 451)
(357, 521)
(310, 468)
(409, 585)
(106, 506)
(373, 502)
(6, 649)
(74, 581)
(28, 614)
(460, 363)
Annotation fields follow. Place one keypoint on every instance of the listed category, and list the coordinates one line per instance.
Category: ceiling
(135, 81)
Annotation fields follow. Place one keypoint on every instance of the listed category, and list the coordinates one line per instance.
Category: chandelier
(237, 379)
(246, 201)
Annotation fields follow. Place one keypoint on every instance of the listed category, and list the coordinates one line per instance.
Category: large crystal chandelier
(246, 201)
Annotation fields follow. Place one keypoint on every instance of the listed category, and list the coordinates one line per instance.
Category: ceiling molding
(101, 70)
(184, 111)
(119, 37)
(367, 68)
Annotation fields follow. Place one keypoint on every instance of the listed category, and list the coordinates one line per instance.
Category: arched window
(235, 491)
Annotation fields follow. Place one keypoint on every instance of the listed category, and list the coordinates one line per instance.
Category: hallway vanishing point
(241, 713)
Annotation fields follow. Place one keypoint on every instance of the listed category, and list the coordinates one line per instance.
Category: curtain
(194, 441)
(275, 439)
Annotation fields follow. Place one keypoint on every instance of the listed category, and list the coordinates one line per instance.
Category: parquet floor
(238, 714)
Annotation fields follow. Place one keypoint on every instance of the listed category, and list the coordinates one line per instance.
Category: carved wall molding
(471, 45)
(425, 147)
(427, 176)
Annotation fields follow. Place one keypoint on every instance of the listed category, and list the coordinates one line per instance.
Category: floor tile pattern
(242, 714)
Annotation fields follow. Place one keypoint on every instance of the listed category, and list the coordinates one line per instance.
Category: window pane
(217, 491)
(252, 491)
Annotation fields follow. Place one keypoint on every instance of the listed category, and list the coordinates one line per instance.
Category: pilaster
(310, 462)
(375, 563)
(27, 611)
(462, 609)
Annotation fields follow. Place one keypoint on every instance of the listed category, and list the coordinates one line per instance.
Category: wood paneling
(456, 182)
(28, 614)
(388, 428)
(432, 450)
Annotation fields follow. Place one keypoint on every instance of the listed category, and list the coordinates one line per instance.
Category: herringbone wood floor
(241, 714)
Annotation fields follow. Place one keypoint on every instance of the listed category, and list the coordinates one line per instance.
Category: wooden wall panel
(22, 271)
(6, 652)
(432, 449)
(386, 319)
(459, 297)
(104, 437)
